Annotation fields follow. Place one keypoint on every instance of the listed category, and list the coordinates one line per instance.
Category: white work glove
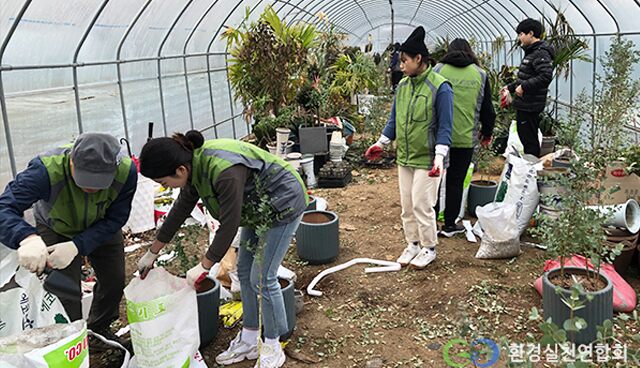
(61, 254)
(194, 273)
(438, 163)
(145, 264)
(32, 254)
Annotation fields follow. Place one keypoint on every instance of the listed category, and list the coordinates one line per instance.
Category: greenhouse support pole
(75, 63)
(166, 36)
(119, 67)
(393, 25)
(3, 103)
(184, 60)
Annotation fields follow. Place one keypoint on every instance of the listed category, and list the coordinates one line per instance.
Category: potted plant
(547, 127)
(605, 120)
(481, 191)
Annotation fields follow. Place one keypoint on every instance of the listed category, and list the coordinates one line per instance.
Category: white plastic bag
(195, 362)
(55, 346)
(465, 193)
(142, 208)
(24, 304)
(498, 220)
(514, 139)
(491, 249)
(163, 315)
(523, 188)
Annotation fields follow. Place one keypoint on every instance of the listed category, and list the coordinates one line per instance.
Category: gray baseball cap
(95, 160)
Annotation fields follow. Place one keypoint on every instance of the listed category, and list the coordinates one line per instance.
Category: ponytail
(161, 157)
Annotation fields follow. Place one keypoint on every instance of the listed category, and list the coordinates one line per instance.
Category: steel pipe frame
(76, 92)
(164, 40)
(347, 18)
(119, 67)
(184, 61)
(468, 30)
(3, 103)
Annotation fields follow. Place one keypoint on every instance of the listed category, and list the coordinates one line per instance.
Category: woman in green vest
(471, 106)
(420, 122)
(234, 179)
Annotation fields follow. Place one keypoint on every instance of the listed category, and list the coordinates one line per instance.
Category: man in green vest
(82, 197)
(471, 106)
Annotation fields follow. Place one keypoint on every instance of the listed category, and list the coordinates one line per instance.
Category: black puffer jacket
(534, 75)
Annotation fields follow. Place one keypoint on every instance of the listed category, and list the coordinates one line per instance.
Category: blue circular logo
(476, 355)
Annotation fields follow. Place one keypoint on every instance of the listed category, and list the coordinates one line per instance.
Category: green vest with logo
(70, 211)
(416, 124)
(281, 181)
(468, 92)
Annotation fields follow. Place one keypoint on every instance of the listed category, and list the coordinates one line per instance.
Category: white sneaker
(408, 254)
(238, 351)
(423, 258)
(271, 356)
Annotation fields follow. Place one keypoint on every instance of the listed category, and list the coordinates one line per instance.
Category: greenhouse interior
(366, 183)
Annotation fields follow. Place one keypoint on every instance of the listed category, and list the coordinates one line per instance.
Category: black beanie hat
(415, 43)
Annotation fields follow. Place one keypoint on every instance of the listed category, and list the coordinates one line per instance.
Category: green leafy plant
(357, 74)
(567, 45)
(268, 61)
(483, 158)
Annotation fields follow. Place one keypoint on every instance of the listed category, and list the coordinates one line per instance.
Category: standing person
(394, 67)
(471, 105)
(224, 173)
(420, 121)
(82, 196)
(532, 83)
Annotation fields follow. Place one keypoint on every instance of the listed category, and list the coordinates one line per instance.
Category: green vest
(70, 211)
(283, 183)
(416, 123)
(468, 92)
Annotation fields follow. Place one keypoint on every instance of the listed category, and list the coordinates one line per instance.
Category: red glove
(485, 141)
(374, 152)
(505, 98)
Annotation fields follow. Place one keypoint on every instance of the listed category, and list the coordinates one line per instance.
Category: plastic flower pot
(208, 309)
(317, 237)
(273, 148)
(622, 262)
(481, 192)
(594, 313)
(548, 145)
(289, 297)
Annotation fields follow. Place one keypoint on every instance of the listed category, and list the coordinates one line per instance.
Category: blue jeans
(274, 317)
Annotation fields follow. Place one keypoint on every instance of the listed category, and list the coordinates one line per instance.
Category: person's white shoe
(271, 356)
(238, 351)
(408, 254)
(426, 256)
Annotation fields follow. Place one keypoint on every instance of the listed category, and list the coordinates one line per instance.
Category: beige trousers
(418, 196)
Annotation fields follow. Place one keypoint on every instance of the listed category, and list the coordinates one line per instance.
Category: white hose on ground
(387, 266)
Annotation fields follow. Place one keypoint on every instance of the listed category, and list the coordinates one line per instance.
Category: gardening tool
(61, 285)
(150, 132)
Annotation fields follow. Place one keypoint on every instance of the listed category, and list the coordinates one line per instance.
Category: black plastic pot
(208, 310)
(622, 262)
(594, 313)
(561, 162)
(481, 192)
(289, 306)
(317, 237)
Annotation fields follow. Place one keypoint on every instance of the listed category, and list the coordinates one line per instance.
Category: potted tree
(481, 191)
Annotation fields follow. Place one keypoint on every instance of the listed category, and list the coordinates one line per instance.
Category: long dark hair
(161, 157)
(460, 46)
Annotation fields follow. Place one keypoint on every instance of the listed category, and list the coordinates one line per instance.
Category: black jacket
(487, 113)
(534, 75)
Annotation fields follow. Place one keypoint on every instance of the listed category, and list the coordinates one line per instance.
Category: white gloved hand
(61, 254)
(194, 273)
(145, 264)
(438, 163)
(32, 254)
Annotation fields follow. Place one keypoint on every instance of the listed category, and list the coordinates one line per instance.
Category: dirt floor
(400, 319)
